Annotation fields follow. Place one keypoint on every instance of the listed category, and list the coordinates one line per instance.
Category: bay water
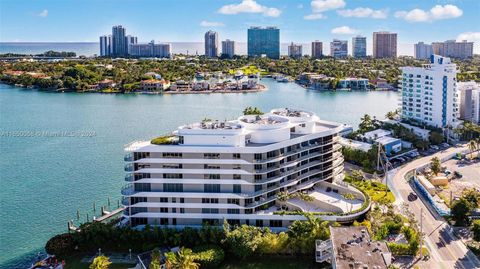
(61, 152)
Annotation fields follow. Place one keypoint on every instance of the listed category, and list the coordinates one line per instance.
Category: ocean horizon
(190, 48)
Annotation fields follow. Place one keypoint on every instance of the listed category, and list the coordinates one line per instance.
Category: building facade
(119, 46)
(354, 84)
(339, 48)
(130, 40)
(295, 51)
(317, 49)
(228, 48)
(422, 51)
(211, 44)
(151, 50)
(359, 47)
(453, 49)
(263, 41)
(105, 45)
(429, 93)
(213, 171)
(384, 45)
(469, 101)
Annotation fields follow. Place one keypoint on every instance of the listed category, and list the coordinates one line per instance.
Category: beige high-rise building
(451, 48)
(384, 45)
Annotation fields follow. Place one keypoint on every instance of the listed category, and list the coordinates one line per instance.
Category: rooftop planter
(165, 140)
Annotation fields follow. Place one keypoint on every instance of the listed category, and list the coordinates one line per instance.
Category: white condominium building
(429, 93)
(237, 171)
(469, 101)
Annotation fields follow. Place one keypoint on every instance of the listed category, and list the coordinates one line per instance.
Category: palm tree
(155, 263)
(183, 259)
(366, 122)
(472, 146)
(100, 262)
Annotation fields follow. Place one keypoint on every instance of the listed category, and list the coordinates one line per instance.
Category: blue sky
(187, 20)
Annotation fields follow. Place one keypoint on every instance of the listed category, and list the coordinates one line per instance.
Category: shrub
(209, 256)
(163, 140)
(399, 249)
(60, 245)
(476, 230)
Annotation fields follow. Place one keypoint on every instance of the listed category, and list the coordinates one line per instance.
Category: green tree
(252, 111)
(183, 259)
(243, 241)
(435, 165)
(460, 212)
(100, 262)
(476, 230)
(436, 138)
(156, 259)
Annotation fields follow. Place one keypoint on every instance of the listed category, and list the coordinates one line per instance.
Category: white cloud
(324, 5)
(43, 14)
(344, 30)
(469, 36)
(249, 6)
(211, 24)
(437, 12)
(315, 16)
(364, 12)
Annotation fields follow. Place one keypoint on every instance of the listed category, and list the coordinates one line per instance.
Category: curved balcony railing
(129, 177)
(129, 167)
(128, 157)
(128, 189)
(125, 201)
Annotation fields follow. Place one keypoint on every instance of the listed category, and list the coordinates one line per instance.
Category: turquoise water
(46, 178)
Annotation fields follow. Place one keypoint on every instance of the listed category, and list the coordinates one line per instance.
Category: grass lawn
(376, 190)
(268, 262)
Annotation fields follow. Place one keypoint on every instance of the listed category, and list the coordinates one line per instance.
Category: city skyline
(300, 22)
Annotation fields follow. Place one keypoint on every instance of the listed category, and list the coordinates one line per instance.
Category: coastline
(258, 88)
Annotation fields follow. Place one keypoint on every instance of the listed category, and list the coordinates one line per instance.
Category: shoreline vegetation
(185, 74)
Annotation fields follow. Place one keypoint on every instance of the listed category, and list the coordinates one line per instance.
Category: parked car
(445, 145)
(412, 197)
(448, 172)
(434, 147)
(458, 174)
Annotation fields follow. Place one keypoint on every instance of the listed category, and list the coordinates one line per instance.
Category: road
(446, 251)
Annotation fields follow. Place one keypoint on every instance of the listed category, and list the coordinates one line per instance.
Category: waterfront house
(106, 83)
(181, 85)
(354, 84)
(153, 85)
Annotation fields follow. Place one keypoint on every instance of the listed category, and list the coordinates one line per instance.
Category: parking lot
(401, 159)
(470, 171)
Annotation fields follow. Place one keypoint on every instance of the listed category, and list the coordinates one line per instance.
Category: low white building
(213, 171)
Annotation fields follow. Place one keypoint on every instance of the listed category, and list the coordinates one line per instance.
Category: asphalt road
(446, 251)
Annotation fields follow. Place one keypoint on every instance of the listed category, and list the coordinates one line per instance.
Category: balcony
(129, 167)
(125, 201)
(128, 157)
(128, 189)
(129, 177)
